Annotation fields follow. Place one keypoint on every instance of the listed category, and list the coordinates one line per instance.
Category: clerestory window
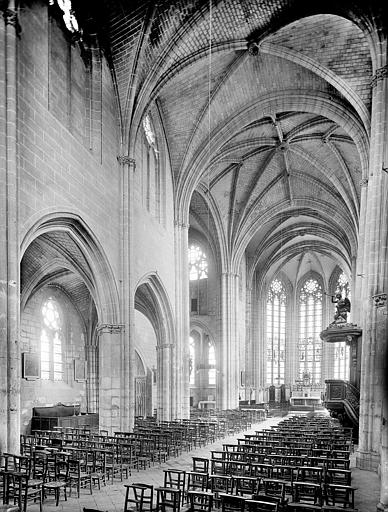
(198, 264)
(68, 14)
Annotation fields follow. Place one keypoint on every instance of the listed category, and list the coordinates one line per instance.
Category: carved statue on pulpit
(342, 308)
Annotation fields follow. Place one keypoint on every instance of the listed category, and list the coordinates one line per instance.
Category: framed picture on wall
(30, 365)
(79, 370)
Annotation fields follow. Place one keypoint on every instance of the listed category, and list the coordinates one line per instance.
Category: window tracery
(310, 326)
(51, 356)
(68, 14)
(198, 264)
(149, 131)
(276, 332)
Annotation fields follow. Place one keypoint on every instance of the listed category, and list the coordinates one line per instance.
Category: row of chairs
(235, 485)
(66, 458)
(141, 497)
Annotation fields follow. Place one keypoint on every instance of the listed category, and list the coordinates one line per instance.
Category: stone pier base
(367, 460)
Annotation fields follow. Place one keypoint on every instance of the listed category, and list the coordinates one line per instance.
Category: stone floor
(111, 497)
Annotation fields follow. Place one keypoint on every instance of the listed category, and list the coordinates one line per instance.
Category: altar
(61, 415)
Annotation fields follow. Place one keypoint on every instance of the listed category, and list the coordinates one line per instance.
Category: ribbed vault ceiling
(53, 259)
(273, 143)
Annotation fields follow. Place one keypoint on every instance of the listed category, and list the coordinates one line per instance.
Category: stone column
(165, 390)
(249, 359)
(373, 255)
(110, 377)
(9, 243)
(181, 401)
(92, 375)
(127, 292)
(258, 344)
(229, 343)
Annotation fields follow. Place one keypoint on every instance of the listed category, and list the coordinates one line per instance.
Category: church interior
(193, 235)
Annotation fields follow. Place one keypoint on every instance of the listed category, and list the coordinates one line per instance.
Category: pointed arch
(152, 300)
(90, 262)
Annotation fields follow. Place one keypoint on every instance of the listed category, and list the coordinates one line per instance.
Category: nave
(111, 497)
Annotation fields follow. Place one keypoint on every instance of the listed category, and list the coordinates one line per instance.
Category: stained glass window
(310, 325)
(149, 131)
(68, 14)
(51, 356)
(212, 364)
(276, 332)
(198, 265)
(341, 350)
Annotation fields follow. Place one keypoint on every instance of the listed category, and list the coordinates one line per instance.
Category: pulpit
(350, 334)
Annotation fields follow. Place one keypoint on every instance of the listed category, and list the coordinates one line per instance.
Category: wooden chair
(307, 492)
(338, 476)
(219, 467)
(310, 474)
(200, 501)
(231, 503)
(275, 488)
(55, 488)
(259, 470)
(77, 477)
(339, 495)
(200, 465)
(24, 490)
(285, 473)
(244, 485)
(52, 483)
(176, 479)
(139, 497)
(113, 466)
(220, 484)
(196, 481)
(168, 499)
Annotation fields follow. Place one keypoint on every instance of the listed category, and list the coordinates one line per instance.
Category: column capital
(380, 74)
(163, 346)
(380, 300)
(126, 160)
(10, 17)
(181, 225)
(364, 182)
(110, 328)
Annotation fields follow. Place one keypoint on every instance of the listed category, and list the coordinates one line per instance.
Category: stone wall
(67, 131)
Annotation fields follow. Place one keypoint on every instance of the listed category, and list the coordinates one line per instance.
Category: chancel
(193, 250)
